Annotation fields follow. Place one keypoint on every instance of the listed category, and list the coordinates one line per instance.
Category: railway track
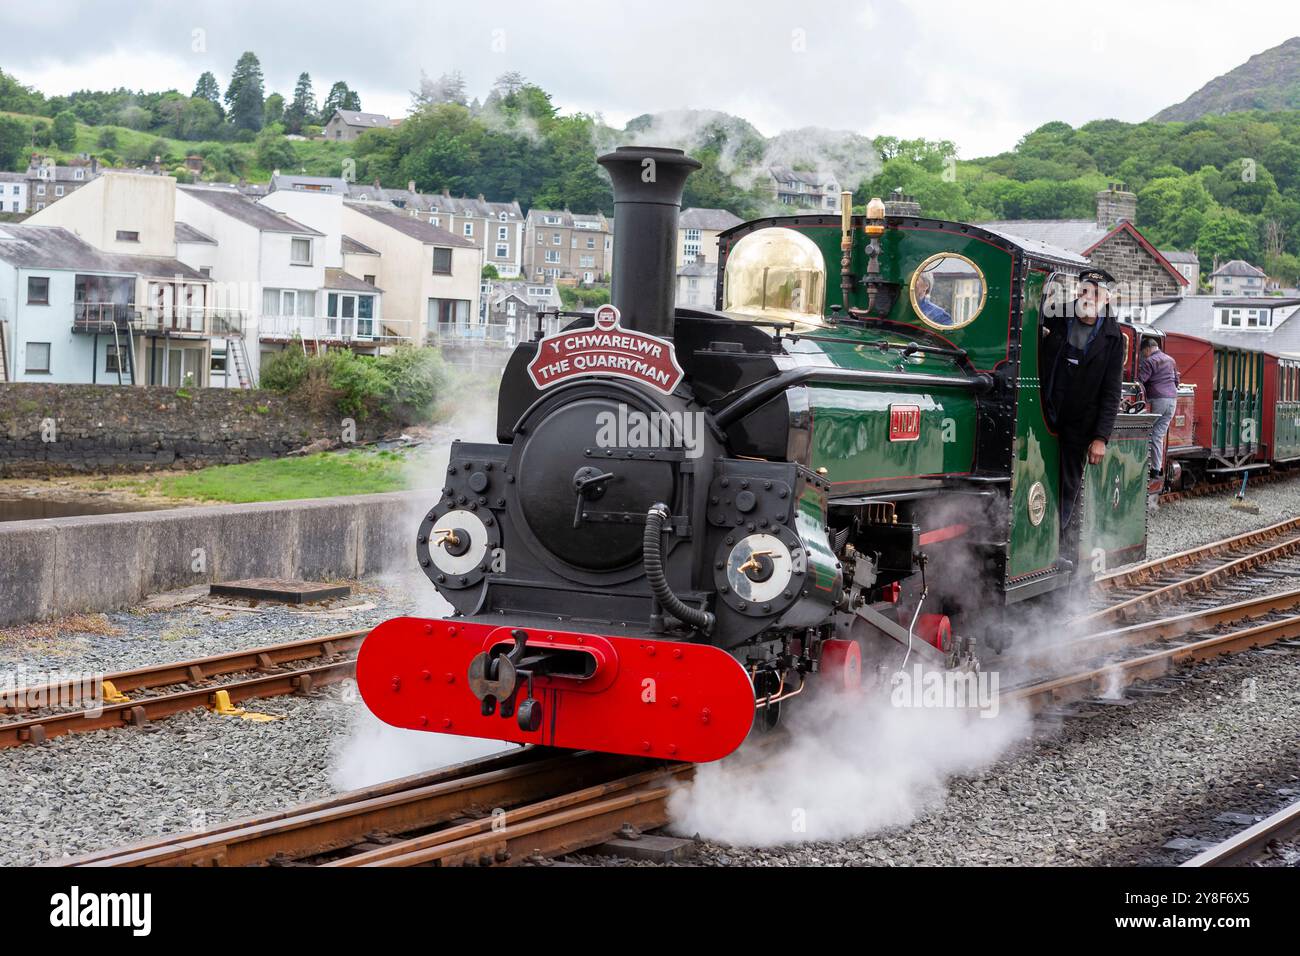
(104, 702)
(522, 805)
(1253, 844)
(1147, 588)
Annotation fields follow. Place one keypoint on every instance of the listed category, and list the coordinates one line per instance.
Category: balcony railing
(282, 328)
(491, 335)
(166, 320)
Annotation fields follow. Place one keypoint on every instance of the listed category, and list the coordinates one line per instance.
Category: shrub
(285, 371)
(403, 385)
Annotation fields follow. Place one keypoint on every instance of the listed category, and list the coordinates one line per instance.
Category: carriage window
(948, 291)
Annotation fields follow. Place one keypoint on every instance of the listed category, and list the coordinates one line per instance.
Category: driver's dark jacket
(1090, 400)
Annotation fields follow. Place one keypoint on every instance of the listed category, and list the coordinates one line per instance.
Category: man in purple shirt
(1158, 375)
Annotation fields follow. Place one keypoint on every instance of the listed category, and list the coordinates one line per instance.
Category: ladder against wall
(122, 334)
(237, 356)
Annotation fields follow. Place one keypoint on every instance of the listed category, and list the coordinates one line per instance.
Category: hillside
(1267, 81)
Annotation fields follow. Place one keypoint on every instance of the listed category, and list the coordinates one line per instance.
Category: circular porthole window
(948, 291)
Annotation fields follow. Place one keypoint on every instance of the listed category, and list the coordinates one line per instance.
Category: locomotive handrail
(764, 391)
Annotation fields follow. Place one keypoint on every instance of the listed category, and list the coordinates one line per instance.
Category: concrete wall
(58, 566)
(106, 428)
(119, 200)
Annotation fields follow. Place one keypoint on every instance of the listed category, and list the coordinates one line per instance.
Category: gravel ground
(1161, 768)
(1110, 787)
(1192, 522)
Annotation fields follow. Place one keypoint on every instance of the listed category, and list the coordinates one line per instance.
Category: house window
(435, 221)
(469, 228)
(503, 233)
(502, 216)
(552, 255)
(692, 235)
(40, 189)
(587, 262)
(38, 358)
(58, 191)
(591, 242)
(300, 252)
(449, 311)
(555, 239)
(690, 250)
(370, 280)
(540, 239)
(442, 262)
(205, 271)
(79, 174)
(127, 235)
(551, 220)
(38, 290)
(503, 250)
(40, 206)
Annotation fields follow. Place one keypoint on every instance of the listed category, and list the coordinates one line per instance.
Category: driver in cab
(1082, 362)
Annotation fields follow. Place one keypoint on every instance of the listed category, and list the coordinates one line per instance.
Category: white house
(13, 192)
(1238, 277)
(266, 266)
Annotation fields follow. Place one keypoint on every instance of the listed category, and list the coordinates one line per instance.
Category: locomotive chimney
(648, 184)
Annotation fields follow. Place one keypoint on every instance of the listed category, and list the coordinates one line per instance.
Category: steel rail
(1140, 573)
(12, 701)
(1043, 693)
(140, 711)
(1122, 610)
(1253, 842)
(315, 829)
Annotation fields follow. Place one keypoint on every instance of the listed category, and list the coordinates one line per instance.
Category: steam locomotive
(691, 516)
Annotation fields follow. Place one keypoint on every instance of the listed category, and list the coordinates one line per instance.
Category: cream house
(430, 277)
(697, 234)
(167, 313)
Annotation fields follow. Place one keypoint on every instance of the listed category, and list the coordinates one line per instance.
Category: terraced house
(566, 247)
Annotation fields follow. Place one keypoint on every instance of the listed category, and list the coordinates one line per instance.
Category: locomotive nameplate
(606, 349)
(904, 422)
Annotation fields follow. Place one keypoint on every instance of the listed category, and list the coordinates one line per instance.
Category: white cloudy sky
(981, 74)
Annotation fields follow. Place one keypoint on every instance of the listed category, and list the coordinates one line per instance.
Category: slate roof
(353, 248)
(1180, 258)
(323, 184)
(412, 226)
(365, 120)
(346, 282)
(1238, 267)
(1194, 315)
(713, 220)
(187, 233)
(246, 211)
(53, 247)
(1072, 235)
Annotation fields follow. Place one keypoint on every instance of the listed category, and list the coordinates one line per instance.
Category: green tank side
(1035, 521)
(1114, 499)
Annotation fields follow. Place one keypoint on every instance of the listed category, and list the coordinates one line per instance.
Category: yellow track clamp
(112, 695)
(225, 708)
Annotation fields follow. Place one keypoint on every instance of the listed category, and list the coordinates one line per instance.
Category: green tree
(64, 131)
(1226, 234)
(339, 98)
(272, 151)
(273, 109)
(107, 139)
(199, 120)
(302, 109)
(208, 89)
(13, 142)
(244, 95)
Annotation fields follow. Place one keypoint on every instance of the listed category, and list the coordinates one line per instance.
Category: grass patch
(282, 479)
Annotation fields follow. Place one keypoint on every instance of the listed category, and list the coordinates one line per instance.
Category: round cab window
(948, 291)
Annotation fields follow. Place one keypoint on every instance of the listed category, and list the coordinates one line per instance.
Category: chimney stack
(901, 204)
(648, 184)
(1115, 204)
(410, 185)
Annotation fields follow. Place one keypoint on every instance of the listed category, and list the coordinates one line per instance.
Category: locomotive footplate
(529, 685)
